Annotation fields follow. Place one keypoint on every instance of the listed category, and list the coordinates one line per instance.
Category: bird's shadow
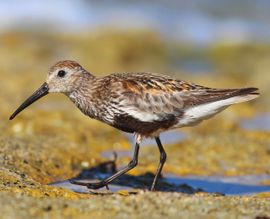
(125, 182)
(133, 183)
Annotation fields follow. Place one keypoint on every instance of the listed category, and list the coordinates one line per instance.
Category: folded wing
(152, 98)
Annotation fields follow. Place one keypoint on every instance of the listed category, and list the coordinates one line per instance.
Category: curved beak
(42, 91)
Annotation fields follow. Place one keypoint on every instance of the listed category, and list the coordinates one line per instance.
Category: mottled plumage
(142, 103)
(147, 103)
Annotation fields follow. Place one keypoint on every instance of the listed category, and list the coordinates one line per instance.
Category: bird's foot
(92, 185)
(97, 185)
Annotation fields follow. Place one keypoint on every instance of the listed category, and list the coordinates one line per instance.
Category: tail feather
(242, 95)
(210, 95)
(194, 115)
(248, 90)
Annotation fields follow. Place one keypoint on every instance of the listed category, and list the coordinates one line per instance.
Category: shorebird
(145, 104)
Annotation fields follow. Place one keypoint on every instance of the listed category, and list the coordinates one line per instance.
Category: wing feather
(152, 97)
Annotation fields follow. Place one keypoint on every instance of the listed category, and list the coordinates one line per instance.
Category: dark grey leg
(106, 181)
(163, 157)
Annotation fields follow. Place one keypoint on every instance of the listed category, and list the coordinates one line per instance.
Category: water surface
(225, 185)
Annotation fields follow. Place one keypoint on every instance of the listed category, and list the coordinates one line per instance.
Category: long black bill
(42, 91)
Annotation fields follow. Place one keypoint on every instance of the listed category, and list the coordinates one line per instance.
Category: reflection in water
(125, 182)
(238, 185)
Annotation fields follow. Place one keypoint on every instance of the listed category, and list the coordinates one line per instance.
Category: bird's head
(63, 77)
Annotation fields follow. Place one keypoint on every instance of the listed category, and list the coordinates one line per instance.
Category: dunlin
(145, 104)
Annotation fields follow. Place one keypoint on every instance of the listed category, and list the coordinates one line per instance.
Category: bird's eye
(61, 73)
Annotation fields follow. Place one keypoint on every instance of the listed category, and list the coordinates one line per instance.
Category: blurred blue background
(201, 22)
(213, 42)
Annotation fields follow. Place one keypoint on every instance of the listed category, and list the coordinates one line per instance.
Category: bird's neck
(82, 95)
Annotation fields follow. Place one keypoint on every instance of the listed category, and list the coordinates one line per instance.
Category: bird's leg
(163, 157)
(106, 181)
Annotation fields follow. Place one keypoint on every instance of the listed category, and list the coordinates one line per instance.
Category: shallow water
(226, 185)
(83, 189)
(237, 185)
